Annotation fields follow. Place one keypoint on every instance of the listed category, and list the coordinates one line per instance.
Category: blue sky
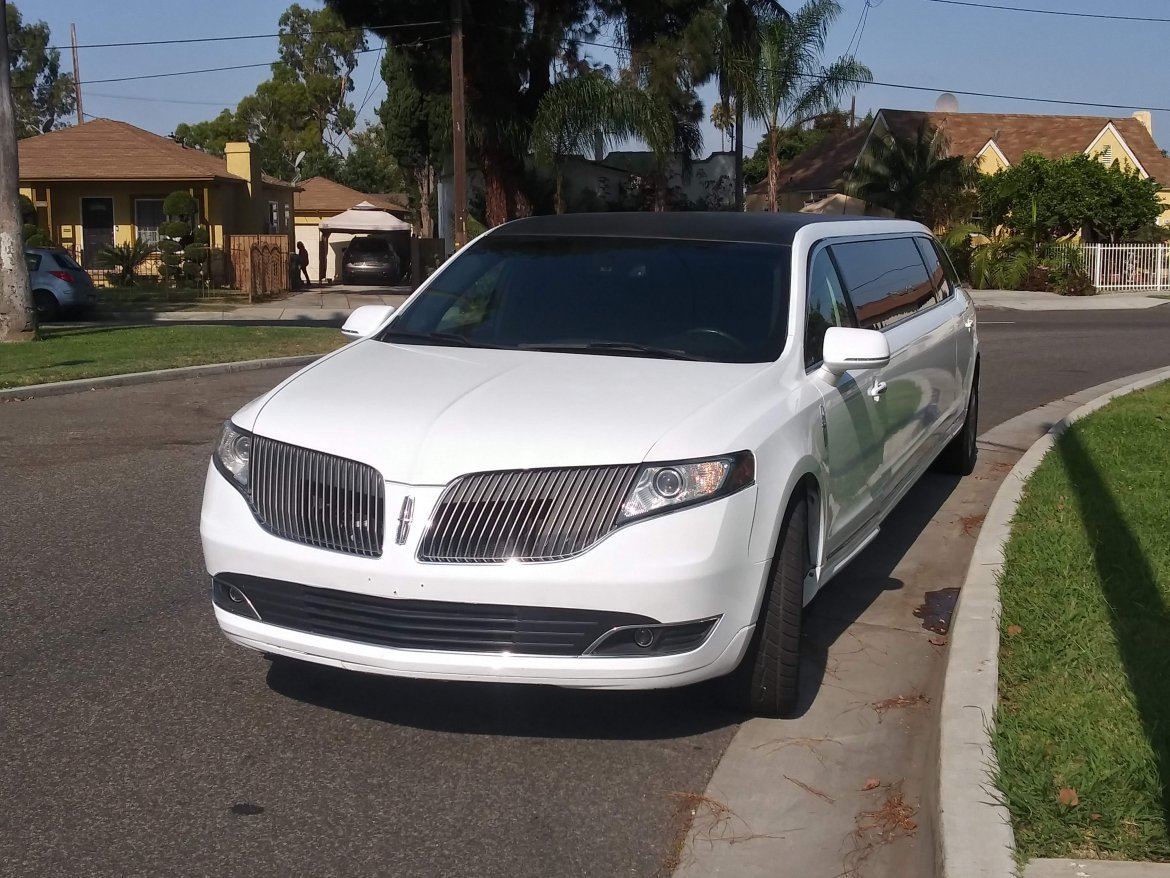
(917, 42)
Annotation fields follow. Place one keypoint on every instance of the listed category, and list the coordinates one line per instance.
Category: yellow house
(994, 140)
(104, 182)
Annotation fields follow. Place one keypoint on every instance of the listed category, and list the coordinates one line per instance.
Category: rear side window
(939, 282)
(885, 279)
(33, 260)
(66, 261)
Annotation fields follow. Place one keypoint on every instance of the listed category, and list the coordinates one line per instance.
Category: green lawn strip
(1085, 679)
(65, 353)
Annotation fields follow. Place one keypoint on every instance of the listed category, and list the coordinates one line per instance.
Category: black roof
(753, 228)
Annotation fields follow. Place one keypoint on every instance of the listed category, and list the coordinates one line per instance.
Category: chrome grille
(525, 515)
(317, 499)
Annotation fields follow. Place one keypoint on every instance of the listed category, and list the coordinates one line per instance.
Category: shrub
(125, 259)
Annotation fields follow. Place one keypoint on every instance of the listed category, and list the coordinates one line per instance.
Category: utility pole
(458, 124)
(76, 75)
(18, 319)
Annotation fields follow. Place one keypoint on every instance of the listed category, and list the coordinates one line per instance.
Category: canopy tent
(363, 218)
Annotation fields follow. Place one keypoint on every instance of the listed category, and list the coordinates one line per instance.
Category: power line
(144, 99)
(233, 37)
(370, 84)
(1099, 15)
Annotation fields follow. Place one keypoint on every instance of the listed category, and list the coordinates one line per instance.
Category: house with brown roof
(320, 198)
(995, 140)
(103, 182)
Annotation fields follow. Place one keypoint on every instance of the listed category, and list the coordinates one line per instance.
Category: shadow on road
(543, 711)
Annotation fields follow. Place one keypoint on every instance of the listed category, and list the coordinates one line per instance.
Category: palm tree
(738, 58)
(793, 86)
(723, 121)
(577, 112)
(913, 177)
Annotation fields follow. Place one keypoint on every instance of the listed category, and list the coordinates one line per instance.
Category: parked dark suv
(370, 260)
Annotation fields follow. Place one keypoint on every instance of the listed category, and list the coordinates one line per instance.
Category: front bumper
(680, 567)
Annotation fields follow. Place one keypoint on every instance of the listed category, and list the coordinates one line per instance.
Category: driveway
(136, 741)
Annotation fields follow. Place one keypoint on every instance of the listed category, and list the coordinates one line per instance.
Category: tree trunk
(560, 189)
(424, 179)
(738, 201)
(773, 169)
(18, 319)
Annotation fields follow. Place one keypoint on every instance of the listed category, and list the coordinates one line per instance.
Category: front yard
(1083, 729)
(64, 353)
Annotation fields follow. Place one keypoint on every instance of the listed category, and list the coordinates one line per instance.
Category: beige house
(994, 140)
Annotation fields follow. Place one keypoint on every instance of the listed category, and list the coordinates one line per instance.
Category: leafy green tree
(214, 134)
(369, 166)
(41, 94)
(915, 178)
(723, 121)
(416, 123)
(790, 143)
(1041, 198)
(302, 107)
(793, 86)
(738, 52)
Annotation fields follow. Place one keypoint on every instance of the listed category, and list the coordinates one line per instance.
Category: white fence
(1127, 266)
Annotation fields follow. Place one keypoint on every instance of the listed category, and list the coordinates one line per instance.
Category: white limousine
(604, 451)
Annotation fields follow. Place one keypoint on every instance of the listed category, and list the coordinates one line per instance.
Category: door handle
(969, 322)
(877, 389)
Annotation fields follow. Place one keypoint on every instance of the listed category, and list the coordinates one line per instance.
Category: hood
(425, 414)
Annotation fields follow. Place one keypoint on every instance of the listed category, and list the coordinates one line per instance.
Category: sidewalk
(1023, 300)
(328, 306)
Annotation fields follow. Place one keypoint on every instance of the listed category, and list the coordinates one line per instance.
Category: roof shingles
(104, 149)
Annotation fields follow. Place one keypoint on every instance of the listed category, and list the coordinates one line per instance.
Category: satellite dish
(946, 103)
(301, 156)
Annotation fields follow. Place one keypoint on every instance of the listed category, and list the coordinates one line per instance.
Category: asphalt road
(136, 741)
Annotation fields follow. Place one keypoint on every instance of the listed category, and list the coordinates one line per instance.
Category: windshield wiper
(454, 338)
(617, 347)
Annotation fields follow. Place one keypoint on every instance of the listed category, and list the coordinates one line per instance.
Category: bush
(181, 204)
(125, 259)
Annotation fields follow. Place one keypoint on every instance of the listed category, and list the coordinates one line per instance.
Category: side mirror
(366, 320)
(847, 348)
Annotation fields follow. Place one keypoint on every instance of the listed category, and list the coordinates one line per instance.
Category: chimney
(1147, 120)
(242, 162)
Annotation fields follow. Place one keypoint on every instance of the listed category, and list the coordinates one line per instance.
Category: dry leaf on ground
(1069, 797)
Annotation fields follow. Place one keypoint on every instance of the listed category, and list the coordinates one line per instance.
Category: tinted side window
(33, 260)
(939, 282)
(885, 279)
(826, 307)
(948, 267)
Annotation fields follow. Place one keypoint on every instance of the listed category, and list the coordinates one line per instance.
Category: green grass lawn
(1084, 713)
(86, 352)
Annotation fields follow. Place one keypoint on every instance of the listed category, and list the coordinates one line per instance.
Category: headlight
(664, 487)
(233, 454)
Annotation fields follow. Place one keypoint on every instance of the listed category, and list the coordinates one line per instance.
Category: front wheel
(766, 681)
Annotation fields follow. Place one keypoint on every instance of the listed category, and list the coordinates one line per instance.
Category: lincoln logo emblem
(405, 516)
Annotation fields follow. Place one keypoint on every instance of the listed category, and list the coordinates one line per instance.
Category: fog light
(644, 637)
(236, 595)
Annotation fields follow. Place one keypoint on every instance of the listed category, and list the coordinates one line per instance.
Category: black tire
(961, 452)
(46, 306)
(766, 683)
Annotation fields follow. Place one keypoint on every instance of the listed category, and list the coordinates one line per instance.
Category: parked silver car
(59, 284)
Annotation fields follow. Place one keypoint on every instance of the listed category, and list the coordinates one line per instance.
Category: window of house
(826, 307)
(273, 217)
(885, 278)
(148, 216)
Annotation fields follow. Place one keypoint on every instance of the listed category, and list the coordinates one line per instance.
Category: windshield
(712, 301)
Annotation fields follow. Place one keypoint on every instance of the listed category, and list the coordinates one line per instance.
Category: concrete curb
(975, 838)
(59, 388)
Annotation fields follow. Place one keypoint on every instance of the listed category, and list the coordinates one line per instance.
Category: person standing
(303, 260)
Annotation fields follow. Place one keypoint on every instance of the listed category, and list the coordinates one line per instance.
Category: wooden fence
(259, 264)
